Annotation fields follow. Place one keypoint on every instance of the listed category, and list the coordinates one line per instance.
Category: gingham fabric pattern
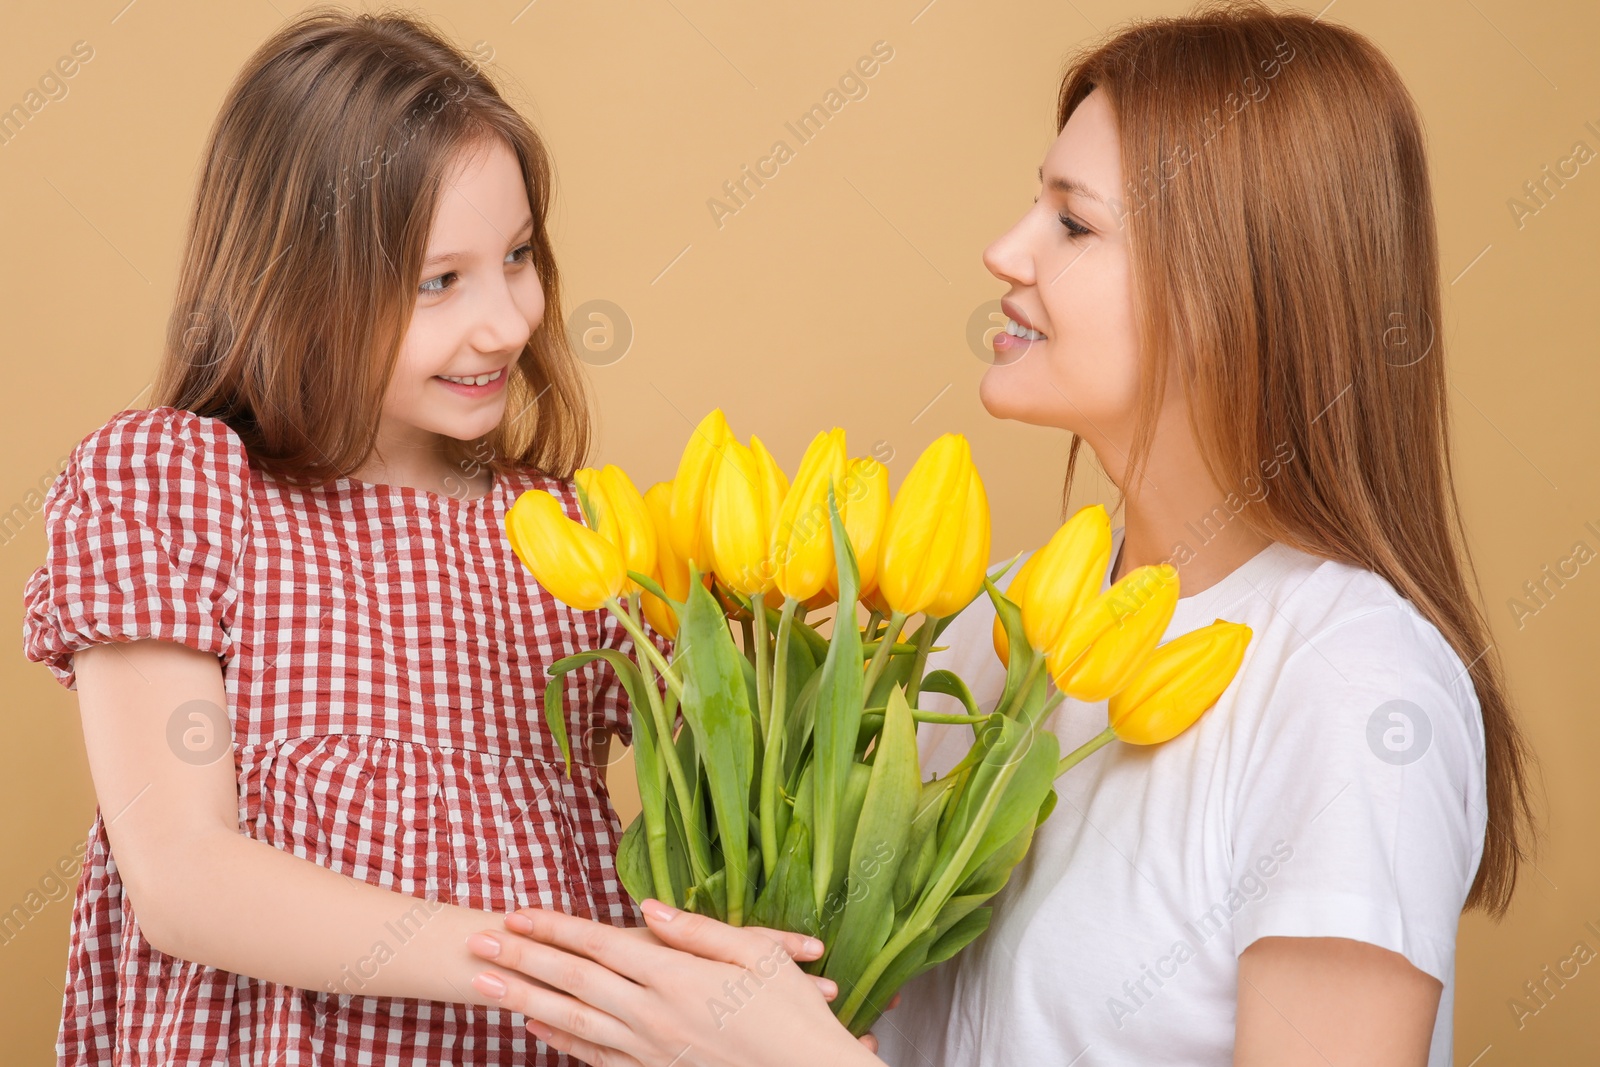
(384, 654)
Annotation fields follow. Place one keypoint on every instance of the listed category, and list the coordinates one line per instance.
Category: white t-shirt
(1337, 789)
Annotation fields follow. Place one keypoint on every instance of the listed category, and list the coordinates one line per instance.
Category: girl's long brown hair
(310, 224)
(1280, 223)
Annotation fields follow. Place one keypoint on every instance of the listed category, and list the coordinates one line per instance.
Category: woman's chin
(1005, 395)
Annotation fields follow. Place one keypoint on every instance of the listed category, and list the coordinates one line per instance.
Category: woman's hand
(707, 995)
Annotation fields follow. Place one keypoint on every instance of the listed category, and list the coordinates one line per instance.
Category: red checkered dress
(384, 655)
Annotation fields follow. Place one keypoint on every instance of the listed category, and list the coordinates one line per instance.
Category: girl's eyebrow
(1071, 185)
(451, 257)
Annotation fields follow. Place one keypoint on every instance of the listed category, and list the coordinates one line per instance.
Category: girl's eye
(443, 282)
(1073, 228)
(437, 285)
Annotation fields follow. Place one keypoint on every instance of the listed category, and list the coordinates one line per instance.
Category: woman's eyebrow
(1071, 185)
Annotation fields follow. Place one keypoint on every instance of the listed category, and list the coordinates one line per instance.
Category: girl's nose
(504, 324)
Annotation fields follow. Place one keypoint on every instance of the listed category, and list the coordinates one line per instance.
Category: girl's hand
(708, 995)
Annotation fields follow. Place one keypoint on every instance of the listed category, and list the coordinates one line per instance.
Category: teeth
(1016, 329)
(481, 379)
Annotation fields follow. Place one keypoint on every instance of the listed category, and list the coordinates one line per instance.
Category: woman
(1228, 287)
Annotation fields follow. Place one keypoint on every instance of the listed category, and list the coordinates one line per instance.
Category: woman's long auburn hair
(305, 249)
(1281, 232)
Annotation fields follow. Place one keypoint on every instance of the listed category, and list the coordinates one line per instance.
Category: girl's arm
(203, 891)
(1317, 1000)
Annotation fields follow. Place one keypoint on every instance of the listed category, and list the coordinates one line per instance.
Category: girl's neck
(421, 464)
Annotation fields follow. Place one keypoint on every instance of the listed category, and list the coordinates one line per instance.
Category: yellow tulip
(740, 522)
(965, 577)
(1179, 681)
(691, 487)
(802, 538)
(1106, 643)
(579, 567)
(621, 516)
(1014, 593)
(776, 484)
(671, 571)
(864, 505)
(1066, 575)
(936, 538)
(773, 480)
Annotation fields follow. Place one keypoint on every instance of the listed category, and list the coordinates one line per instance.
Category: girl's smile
(476, 386)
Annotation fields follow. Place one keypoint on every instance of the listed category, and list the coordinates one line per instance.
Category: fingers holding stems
(614, 995)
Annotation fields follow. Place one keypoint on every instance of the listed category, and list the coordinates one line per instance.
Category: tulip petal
(1180, 681)
(1069, 571)
(1102, 647)
(579, 567)
(691, 485)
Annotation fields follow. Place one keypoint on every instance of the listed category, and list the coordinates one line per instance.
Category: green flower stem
(655, 813)
(880, 657)
(758, 625)
(1028, 679)
(772, 753)
(699, 852)
(646, 646)
(874, 620)
(920, 662)
(953, 720)
(1085, 750)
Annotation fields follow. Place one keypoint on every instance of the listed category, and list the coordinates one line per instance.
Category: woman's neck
(1179, 515)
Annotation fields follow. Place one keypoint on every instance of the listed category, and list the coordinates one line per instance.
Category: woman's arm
(1313, 1001)
(203, 891)
(710, 995)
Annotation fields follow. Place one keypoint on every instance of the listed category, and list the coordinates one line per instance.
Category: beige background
(839, 294)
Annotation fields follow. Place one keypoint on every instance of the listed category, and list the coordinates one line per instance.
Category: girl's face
(478, 302)
(1067, 263)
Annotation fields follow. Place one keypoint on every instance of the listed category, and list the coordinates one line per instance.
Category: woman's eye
(437, 285)
(520, 254)
(1073, 228)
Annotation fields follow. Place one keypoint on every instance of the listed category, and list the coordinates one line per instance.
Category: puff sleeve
(145, 528)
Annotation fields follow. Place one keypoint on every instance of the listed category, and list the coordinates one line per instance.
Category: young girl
(1229, 288)
(310, 669)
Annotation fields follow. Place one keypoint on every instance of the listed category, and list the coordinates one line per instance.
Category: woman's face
(1066, 261)
(478, 302)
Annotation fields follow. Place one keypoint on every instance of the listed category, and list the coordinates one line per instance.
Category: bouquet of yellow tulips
(791, 796)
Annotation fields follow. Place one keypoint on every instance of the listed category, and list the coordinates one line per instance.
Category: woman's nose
(1009, 257)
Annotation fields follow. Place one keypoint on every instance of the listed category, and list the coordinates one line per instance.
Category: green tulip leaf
(837, 716)
(633, 862)
(1022, 655)
(880, 844)
(555, 690)
(951, 685)
(921, 844)
(653, 587)
(716, 704)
